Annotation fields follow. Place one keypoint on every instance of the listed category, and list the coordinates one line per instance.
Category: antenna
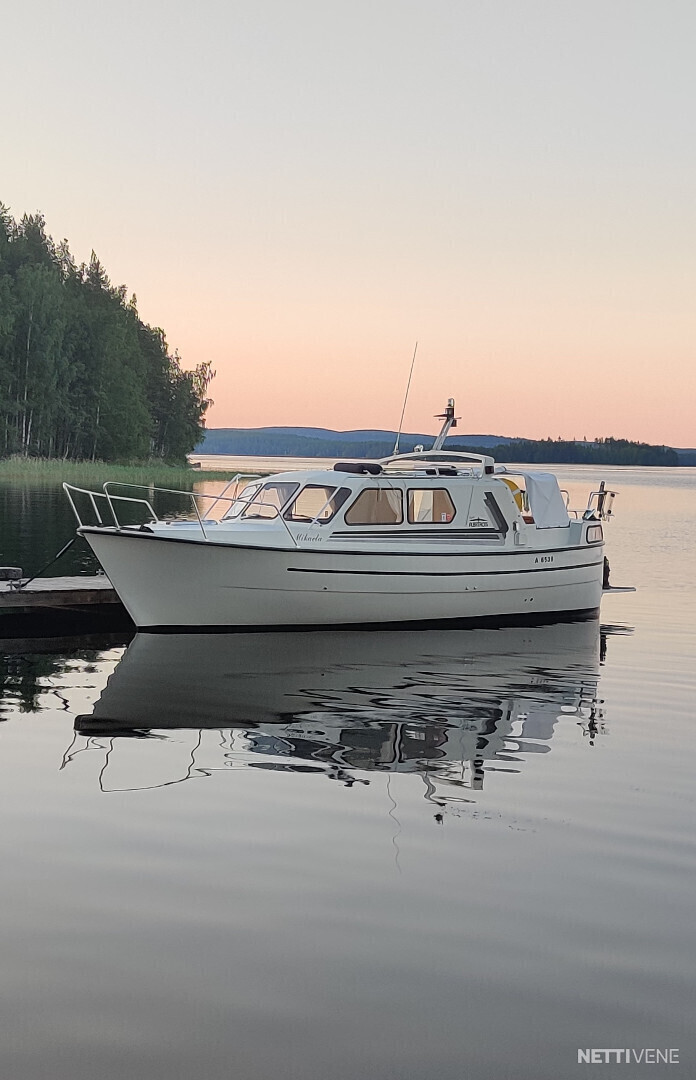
(408, 387)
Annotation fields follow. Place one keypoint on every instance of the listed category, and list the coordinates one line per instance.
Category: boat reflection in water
(448, 705)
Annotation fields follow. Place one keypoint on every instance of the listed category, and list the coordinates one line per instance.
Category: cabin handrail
(430, 455)
(448, 457)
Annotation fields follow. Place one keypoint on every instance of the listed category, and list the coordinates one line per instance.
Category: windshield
(269, 499)
(243, 499)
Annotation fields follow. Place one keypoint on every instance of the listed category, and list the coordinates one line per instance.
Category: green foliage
(35, 472)
(559, 452)
(81, 376)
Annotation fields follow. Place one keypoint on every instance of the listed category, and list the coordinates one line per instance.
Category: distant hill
(308, 442)
(323, 442)
(369, 435)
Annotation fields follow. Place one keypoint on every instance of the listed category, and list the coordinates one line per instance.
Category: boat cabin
(433, 496)
(426, 499)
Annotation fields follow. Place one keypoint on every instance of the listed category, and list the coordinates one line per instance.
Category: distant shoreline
(265, 464)
(310, 443)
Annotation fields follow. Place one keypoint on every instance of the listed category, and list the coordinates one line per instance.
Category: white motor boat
(420, 538)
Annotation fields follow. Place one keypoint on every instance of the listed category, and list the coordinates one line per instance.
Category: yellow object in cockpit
(516, 491)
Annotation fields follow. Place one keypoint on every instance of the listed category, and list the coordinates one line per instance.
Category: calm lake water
(452, 854)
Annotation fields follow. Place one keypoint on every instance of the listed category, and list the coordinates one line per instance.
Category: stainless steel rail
(110, 498)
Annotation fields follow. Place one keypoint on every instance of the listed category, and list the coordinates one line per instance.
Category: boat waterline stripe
(442, 573)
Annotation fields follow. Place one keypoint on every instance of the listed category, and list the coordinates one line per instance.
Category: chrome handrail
(167, 491)
(601, 503)
(192, 495)
(124, 498)
(94, 495)
(111, 498)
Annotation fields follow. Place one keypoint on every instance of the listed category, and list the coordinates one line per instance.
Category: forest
(607, 451)
(82, 377)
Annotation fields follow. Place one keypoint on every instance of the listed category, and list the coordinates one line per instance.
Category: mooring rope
(23, 584)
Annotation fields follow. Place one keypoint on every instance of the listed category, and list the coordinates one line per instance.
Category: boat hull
(175, 584)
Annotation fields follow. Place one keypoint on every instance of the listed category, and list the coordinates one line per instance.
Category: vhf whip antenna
(408, 387)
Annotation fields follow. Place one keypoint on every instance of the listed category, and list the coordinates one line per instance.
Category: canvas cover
(545, 500)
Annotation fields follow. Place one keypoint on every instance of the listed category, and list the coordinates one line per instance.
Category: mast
(449, 422)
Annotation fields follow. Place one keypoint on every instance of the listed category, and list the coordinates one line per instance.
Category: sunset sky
(298, 190)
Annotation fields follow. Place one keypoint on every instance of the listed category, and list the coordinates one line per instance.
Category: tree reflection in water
(31, 669)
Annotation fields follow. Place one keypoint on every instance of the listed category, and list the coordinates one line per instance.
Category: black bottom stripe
(491, 622)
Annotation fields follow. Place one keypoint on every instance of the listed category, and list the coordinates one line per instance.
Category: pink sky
(298, 193)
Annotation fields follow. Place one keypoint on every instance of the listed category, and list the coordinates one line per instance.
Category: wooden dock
(59, 606)
(59, 592)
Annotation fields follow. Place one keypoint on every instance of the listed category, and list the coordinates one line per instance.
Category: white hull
(178, 583)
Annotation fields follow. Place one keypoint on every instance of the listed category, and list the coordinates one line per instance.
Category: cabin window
(376, 506)
(430, 506)
(316, 502)
(270, 499)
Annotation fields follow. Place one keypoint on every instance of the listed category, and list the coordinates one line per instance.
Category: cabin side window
(270, 499)
(316, 502)
(376, 506)
(429, 506)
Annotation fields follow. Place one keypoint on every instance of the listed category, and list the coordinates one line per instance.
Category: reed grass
(38, 471)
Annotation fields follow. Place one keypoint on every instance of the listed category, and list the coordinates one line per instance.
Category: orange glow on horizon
(513, 190)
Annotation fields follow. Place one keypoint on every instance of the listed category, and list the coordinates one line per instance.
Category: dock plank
(63, 592)
(10, 573)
